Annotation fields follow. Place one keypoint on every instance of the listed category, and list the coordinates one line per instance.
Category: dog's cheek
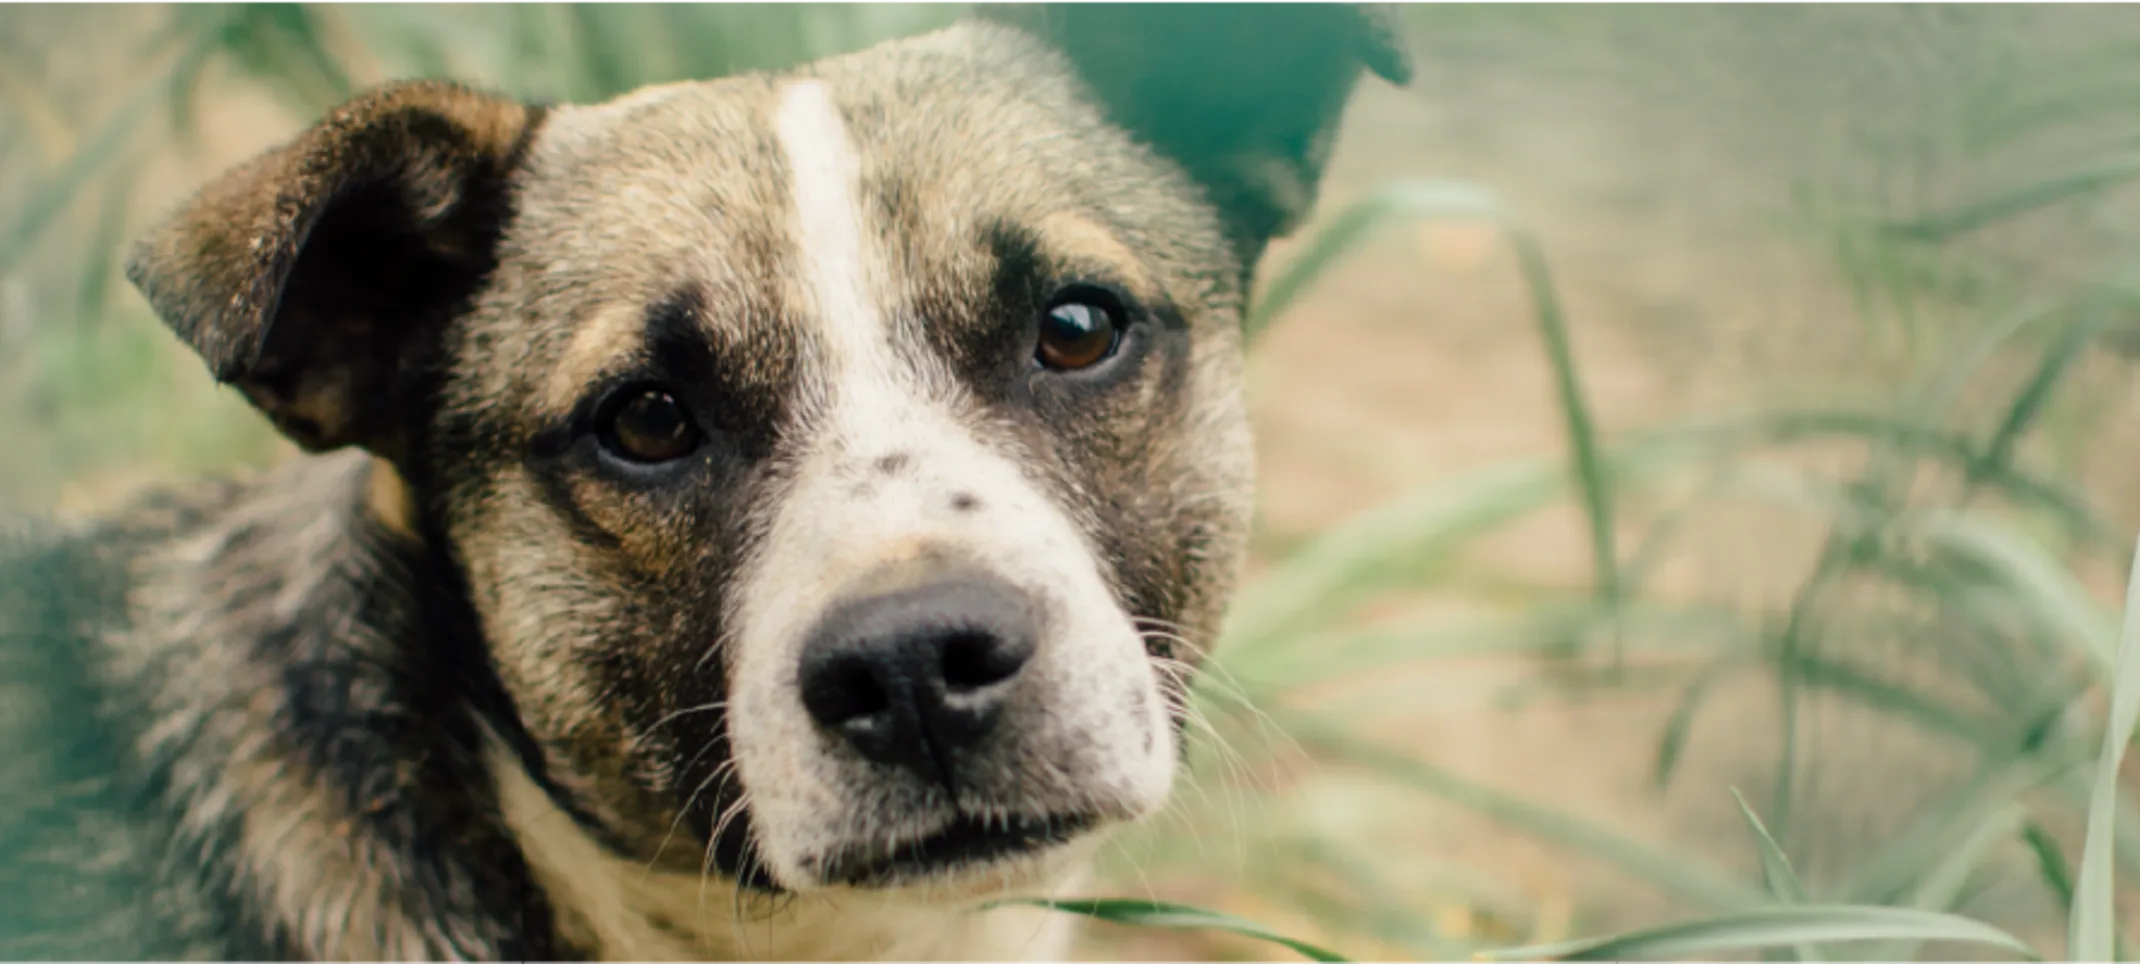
(565, 631)
(1151, 462)
(668, 682)
(603, 599)
(666, 663)
(1209, 493)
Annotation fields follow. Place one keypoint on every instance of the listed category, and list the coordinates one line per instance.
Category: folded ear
(309, 276)
(1245, 96)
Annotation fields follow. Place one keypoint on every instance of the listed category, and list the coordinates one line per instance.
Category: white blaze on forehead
(836, 260)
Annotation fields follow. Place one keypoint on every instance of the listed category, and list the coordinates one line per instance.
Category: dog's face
(845, 466)
(852, 461)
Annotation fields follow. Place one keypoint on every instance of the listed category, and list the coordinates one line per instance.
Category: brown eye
(649, 425)
(1079, 331)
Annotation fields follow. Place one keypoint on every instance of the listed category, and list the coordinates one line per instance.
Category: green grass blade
(607, 71)
(1896, 871)
(2050, 863)
(1356, 224)
(1783, 883)
(1921, 711)
(1348, 562)
(2094, 925)
(2041, 583)
(1941, 887)
(1151, 913)
(2058, 874)
(1672, 742)
(1944, 883)
(1711, 937)
(1676, 874)
(1541, 629)
(2076, 787)
(2050, 373)
(108, 242)
(1420, 200)
(1951, 224)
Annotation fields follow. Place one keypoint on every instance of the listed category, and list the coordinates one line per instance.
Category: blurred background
(1797, 457)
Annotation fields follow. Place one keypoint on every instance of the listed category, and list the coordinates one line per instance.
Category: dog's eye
(1080, 329)
(649, 425)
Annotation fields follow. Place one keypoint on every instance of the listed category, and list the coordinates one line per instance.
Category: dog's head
(842, 464)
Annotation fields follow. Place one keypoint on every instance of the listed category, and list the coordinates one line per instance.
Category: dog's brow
(1076, 239)
(1066, 246)
(613, 332)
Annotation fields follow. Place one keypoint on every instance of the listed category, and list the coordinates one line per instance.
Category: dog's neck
(612, 908)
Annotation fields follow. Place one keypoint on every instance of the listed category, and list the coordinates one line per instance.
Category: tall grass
(1950, 600)
(1985, 561)
(2008, 586)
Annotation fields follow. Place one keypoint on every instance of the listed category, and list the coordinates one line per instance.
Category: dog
(765, 517)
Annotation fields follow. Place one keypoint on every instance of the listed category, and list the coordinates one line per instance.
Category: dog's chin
(966, 853)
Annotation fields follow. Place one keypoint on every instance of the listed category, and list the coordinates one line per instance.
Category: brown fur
(464, 694)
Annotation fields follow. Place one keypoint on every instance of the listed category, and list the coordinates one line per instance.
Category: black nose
(916, 677)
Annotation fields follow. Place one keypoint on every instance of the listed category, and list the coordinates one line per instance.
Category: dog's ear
(310, 276)
(1246, 97)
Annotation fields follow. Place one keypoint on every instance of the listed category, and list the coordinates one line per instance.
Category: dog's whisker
(684, 811)
(719, 776)
(1237, 773)
(1215, 678)
(713, 842)
(713, 707)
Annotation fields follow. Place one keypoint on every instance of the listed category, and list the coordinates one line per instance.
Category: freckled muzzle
(946, 717)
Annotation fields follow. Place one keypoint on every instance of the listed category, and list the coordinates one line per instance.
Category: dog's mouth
(967, 843)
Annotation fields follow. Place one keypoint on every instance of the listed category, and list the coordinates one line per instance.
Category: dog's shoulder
(228, 736)
(80, 856)
(235, 727)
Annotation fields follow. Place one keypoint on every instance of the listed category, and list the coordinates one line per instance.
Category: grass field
(1700, 475)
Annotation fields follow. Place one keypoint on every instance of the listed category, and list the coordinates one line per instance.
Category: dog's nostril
(845, 692)
(974, 660)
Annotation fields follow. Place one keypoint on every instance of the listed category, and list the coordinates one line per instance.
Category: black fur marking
(736, 384)
(372, 683)
(392, 723)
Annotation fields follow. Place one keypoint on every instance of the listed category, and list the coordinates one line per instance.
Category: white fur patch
(828, 223)
(1088, 733)
(843, 274)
